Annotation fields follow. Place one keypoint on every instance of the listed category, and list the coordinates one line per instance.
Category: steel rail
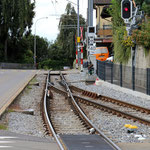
(105, 98)
(104, 107)
(47, 117)
(113, 110)
(85, 117)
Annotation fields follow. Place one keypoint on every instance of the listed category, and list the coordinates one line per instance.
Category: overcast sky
(48, 28)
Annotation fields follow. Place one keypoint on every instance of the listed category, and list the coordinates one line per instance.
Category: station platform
(12, 82)
(13, 141)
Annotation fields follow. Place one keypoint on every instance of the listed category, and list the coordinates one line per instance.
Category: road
(12, 82)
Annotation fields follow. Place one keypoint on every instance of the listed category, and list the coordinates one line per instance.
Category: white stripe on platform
(5, 146)
(7, 142)
(7, 137)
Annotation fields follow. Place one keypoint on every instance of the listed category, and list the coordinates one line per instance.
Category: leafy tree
(42, 49)
(62, 51)
(67, 35)
(145, 5)
(15, 21)
(122, 42)
(121, 51)
(115, 12)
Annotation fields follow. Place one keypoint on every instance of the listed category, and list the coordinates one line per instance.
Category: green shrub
(142, 36)
(3, 127)
(122, 45)
(52, 64)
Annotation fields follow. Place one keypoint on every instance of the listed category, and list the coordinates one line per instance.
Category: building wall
(142, 59)
(102, 23)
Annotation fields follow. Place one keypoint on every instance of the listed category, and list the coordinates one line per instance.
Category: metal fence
(16, 66)
(137, 79)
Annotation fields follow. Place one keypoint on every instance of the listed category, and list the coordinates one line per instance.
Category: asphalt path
(13, 141)
(12, 82)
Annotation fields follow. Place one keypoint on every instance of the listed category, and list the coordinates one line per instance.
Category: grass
(29, 87)
(33, 80)
(3, 127)
(10, 110)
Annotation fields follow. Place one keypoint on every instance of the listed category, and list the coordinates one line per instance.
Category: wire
(54, 5)
(71, 1)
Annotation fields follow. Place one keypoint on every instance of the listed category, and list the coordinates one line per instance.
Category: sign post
(81, 29)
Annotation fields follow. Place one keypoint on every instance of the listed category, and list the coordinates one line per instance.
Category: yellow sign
(78, 39)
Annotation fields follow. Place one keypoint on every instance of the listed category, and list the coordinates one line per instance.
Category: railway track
(109, 99)
(63, 117)
(54, 111)
(116, 107)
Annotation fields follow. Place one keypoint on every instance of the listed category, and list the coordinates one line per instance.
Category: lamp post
(78, 33)
(35, 39)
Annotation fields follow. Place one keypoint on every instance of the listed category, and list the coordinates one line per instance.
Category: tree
(145, 6)
(15, 21)
(122, 42)
(66, 37)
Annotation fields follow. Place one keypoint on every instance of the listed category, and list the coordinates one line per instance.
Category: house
(103, 23)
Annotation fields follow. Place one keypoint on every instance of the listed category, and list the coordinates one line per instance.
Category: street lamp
(78, 29)
(35, 39)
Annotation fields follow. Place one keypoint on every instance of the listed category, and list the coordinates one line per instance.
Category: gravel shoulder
(23, 123)
(113, 126)
(33, 125)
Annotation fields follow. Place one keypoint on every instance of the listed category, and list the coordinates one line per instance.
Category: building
(103, 23)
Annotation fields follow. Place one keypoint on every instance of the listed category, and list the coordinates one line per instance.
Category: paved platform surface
(85, 142)
(12, 82)
(13, 141)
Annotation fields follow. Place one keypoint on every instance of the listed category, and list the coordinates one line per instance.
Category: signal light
(126, 9)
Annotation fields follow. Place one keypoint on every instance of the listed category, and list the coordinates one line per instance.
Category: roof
(102, 2)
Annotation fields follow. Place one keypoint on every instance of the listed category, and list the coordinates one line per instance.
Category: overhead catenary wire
(81, 10)
(54, 4)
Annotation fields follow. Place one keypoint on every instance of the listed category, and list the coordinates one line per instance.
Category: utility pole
(90, 22)
(35, 39)
(90, 12)
(78, 17)
(78, 30)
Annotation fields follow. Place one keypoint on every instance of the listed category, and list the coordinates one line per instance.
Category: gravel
(30, 98)
(110, 90)
(112, 125)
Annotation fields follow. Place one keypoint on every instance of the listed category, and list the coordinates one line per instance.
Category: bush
(142, 36)
(52, 64)
(122, 45)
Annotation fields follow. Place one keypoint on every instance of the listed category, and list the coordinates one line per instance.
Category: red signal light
(126, 9)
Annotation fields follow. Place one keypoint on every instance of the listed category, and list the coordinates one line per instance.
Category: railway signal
(90, 39)
(126, 10)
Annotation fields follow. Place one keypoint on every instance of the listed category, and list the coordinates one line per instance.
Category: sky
(48, 28)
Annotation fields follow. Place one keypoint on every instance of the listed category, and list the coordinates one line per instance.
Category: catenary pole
(90, 20)
(90, 10)
(78, 30)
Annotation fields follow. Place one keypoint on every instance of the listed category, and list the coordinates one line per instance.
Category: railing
(137, 79)
(16, 66)
(105, 31)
